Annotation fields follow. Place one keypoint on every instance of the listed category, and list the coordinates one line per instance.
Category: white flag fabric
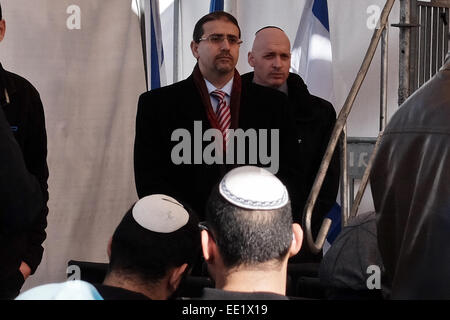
(312, 53)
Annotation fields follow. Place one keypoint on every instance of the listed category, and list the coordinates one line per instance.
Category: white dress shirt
(226, 88)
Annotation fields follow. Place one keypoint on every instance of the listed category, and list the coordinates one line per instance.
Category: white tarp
(85, 59)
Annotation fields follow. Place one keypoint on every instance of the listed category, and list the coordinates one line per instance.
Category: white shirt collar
(226, 88)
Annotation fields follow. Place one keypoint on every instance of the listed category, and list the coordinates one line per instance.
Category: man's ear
(194, 49)
(209, 247)
(2, 29)
(176, 276)
(297, 239)
(251, 59)
(206, 246)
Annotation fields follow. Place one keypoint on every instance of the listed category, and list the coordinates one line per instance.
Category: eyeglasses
(219, 38)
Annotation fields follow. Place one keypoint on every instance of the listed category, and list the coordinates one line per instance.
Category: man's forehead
(220, 27)
(274, 48)
(272, 38)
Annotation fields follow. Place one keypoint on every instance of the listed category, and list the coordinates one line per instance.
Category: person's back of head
(352, 268)
(155, 244)
(249, 222)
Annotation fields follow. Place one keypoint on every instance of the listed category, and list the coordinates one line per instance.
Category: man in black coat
(21, 252)
(186, 109)
(411, 193)
(314, 122)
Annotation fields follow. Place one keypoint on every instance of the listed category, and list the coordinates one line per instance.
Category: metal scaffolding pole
(406, 78)
(176, 37)
(317, 245)
(384, 77)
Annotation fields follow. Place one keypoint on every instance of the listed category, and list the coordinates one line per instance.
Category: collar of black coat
(300, 100)
(297, 89)
(235, 102)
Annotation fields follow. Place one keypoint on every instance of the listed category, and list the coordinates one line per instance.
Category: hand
(25, 270)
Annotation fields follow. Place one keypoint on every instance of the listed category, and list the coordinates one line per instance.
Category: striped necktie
(223, 116)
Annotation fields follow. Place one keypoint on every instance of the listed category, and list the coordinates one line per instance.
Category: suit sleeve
(20, 192)
(35, 154)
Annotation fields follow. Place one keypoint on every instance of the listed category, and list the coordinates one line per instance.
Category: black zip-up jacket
(20, 192)
(24, 113)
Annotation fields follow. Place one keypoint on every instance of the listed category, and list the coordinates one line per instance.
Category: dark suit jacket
(162, 111)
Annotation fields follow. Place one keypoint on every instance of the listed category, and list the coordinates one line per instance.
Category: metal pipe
(384, 77)
(405, 59)
(383, 120)
(365, 178)
(317, 245)
(344, 178)
(176, 37)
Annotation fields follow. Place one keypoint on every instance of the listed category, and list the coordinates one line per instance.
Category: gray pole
(344, 178)
(404, 89)
(384, 77)
(176, 36)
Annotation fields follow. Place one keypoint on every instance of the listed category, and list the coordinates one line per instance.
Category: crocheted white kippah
(253, 188)
(160, 213)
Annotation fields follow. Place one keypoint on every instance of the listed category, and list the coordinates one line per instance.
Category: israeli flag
(216, 5)
(311, 53)
(156, 74)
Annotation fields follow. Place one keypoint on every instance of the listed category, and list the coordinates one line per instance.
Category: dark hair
(147, 255)
(1, 16)
(246, 236)
(213, 16)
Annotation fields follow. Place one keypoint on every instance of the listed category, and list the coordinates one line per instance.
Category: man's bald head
(270, 57)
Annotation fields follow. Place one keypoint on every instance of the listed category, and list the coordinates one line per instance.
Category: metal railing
(431, 38)
(424, 35)
(339, 132)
